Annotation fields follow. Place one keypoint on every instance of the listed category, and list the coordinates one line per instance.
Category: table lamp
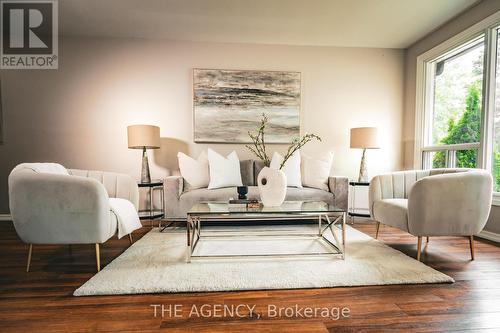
(144, 137)
(364, 138)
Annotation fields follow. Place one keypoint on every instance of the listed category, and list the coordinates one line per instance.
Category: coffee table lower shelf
(327, 224)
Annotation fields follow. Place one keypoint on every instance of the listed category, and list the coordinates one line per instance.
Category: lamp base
(363, 173)
(145, 175)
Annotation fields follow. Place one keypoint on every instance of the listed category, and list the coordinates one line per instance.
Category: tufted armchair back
(116, 184)
(397, 185)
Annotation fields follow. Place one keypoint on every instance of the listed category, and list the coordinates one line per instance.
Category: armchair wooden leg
(419, 247)
(471, 244)
(427, 239)
(98, 257)
(130, 238)
(30, 251)
(376, 233)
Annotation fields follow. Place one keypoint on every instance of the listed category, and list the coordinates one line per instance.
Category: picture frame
(228, 103)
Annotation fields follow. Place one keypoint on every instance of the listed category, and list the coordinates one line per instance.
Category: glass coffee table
(331, 224)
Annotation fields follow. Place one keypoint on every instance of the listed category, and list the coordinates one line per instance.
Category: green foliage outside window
(466, 130)
(496, 169)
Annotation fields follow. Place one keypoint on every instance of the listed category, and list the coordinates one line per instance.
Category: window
(496, 120)
(455, 108)
(458, 102)
(457, 89)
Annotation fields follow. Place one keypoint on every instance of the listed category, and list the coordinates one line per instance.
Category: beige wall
(458, 24)
(77, 115)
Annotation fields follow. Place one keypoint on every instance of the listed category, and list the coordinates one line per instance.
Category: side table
(353, 211)
(150, 213)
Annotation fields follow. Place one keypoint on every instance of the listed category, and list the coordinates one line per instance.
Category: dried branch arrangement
(258, 147)
(296, 145)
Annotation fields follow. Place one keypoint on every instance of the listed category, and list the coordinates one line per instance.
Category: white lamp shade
(364, 138)
(143, 136)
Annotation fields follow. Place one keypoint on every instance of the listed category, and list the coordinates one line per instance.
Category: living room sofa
(179, 198)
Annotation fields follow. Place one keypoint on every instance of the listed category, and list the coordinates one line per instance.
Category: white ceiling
(355, 23)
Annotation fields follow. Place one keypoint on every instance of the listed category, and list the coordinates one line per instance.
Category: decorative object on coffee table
(272, 182)
(227, 104)
(364, 138)
(272, 186)
(144, 137)
(242, 192)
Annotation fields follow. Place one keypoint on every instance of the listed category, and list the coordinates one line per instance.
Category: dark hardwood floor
(42, 301)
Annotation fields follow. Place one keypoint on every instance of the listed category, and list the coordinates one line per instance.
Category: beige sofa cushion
(188, 199)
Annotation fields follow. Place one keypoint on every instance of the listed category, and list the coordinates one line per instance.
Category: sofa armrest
(450, 204)
(174, 185)
(59, 209)
(339, 186)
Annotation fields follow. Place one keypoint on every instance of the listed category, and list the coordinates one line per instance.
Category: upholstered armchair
(50, 204)
(438, 202)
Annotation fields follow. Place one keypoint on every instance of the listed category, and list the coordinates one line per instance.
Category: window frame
(424, 90)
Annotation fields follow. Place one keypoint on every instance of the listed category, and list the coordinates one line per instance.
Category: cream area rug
(157, 264)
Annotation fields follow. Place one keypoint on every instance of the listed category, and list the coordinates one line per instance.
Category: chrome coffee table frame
(328, 222)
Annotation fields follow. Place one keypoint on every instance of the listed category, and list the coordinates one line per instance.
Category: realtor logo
(29, 34)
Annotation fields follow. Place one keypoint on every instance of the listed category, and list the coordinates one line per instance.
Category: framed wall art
(228, 104)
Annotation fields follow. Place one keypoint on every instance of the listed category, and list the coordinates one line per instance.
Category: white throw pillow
(315, 172)
(224, 172)
(194, 172)
(291, 168)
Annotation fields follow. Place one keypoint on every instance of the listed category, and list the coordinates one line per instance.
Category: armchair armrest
(339, 186)
(374, 193)
(118, 185)
(450, 204)
(55, 209)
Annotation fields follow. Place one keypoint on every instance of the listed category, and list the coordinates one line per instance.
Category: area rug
(157, 264)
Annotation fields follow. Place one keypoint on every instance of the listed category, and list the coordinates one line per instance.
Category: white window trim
(496, 199)
(422, 90)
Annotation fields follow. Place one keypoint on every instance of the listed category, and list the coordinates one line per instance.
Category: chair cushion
(315, 171)
(291, 169)
(194, 171)
(258, 166)
(308, 194)
(219, 194)
(393, 212)
(246, 169)
(224, 171)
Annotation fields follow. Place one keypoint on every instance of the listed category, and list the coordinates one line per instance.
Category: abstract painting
(230, 103)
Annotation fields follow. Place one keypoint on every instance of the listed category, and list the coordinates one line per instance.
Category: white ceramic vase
(272, 187)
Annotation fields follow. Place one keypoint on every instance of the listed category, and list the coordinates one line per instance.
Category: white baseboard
(5, 217)
(492, 236)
